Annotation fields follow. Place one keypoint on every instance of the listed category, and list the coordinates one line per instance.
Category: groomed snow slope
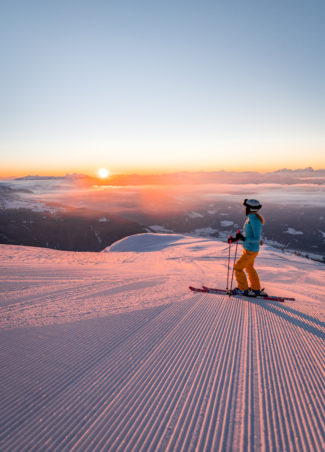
(110, 351)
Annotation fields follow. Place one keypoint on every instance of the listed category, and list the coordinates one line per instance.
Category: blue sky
(173, 85)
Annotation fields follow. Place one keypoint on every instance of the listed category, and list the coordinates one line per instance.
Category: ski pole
(233, 268)
(228, 267)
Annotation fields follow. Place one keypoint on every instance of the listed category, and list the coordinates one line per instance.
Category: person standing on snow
(251, 238)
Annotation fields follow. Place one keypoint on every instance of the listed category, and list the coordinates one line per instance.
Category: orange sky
(92, 170)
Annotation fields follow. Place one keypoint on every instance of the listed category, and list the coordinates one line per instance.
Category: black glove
(239, 236)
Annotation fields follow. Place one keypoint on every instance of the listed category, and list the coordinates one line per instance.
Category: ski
(207, 290)
(272, 297)
(197, 289)
(225, 292)
(210, 290)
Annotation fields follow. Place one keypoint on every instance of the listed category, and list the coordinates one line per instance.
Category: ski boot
(257, 293)
(237, 291)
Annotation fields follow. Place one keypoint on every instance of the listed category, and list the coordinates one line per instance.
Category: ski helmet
(252, 205)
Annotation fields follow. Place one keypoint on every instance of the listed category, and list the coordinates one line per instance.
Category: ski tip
(196, 289)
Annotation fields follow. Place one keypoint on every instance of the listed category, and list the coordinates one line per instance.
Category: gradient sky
(141, 86)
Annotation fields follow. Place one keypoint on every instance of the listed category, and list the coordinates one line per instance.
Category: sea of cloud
(82, 193)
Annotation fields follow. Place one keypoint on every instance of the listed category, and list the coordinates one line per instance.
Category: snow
(158, 228)
(104, 220)
(293, 231)
(144, 243)
(97, 235)
(21, 203)
(226, 223)
(205, 232)
(273, 243)
(111, 351)
(194, 215)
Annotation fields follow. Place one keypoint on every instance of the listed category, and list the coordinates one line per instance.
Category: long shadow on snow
(272, 306)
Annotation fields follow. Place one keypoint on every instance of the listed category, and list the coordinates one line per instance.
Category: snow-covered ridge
(179, 259)
(111, 351)
(140, 243)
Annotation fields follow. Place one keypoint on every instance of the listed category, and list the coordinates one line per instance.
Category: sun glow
(103, 173)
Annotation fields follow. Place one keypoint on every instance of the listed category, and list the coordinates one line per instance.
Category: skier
(251, 245)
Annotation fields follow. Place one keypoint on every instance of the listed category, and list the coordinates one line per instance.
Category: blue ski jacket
(252, 232)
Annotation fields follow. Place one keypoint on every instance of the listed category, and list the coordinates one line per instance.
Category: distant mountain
(36, 177)
(76, 231)
(281, 176)
(301, 231)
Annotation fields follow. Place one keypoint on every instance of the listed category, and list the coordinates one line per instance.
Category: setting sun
(103, 173)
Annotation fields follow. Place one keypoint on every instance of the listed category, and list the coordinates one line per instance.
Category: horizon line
(112, 174)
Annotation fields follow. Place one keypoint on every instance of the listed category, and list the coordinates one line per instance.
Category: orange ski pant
(246, 262)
